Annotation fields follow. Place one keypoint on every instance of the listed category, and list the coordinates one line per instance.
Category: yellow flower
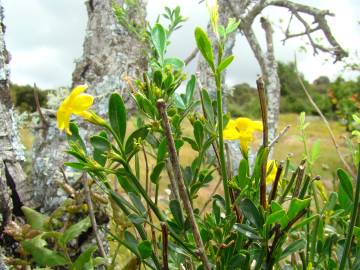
(242, 129)
(76, 103)
(271, 169)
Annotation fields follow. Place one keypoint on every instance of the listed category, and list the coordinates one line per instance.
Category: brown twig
(211, 196)
(43, 120)
(92, 216)
(298, 182)
(279, 136)
(262, 97)
(347, 166)
(180, 182)
(191, 56)
(272, 194)
(164, 233)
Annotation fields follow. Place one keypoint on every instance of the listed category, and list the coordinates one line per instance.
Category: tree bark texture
(110, 52)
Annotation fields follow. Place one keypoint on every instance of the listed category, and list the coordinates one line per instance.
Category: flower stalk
(221, 142)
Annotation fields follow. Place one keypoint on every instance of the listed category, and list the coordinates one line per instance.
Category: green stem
(352, 222)
(221, 142)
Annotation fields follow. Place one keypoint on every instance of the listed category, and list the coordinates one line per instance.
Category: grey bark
(110, 52)
(13, 182)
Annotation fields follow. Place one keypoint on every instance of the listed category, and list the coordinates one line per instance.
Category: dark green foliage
(23, 97)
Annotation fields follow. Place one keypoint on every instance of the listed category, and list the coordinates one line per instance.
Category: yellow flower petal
(81, 103)
(78, 90)
(271, 165)
(243, 123)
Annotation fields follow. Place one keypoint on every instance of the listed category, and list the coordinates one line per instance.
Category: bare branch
(191, 56)
(92, 216)
(312, 102)
(279, 136)
(319, 19)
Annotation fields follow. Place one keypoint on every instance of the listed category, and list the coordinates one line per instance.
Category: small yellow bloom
(271, 169)
(242, 129)
(76, 103)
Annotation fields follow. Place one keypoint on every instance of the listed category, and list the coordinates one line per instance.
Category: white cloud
(44, 37)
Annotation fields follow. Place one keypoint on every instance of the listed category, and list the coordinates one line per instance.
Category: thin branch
(181, 184)
(43, 120)
(273, 192)
(262, 97)
(191, 56)
(92, 216)
(211, 196)
(347, 166)
(164, 234)
(279, 136)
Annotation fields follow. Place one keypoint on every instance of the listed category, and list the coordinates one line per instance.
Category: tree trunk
(14, 188)
(111, 51)
(207, 80)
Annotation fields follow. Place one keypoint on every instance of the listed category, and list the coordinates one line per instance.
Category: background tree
(114, 48)
(312, 19)
(14, 189)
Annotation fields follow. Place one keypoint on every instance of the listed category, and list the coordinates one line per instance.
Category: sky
(44, 38)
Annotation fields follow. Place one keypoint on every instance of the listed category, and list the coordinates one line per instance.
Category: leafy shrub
(23, 97)
(296, 225)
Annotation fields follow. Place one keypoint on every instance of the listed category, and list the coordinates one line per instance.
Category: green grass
(328, 160)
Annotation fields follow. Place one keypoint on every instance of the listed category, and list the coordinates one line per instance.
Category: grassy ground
(328, 160)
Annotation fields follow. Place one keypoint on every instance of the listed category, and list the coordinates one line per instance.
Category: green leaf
(198, 132)
(155, 174)
(136, 219)
(126, 184)
(279, 217)
(193, 144)
(292, 248)
(145, 249)
(158, 38)
(136, 200)
(75, 136)
(85, 261)
(179, 103)
(303, 222)
(175, 209)
(315, 151)
(177, 63)
(225, 63)
(232, 25)
(117, 115)
(247, 231)
(208, 108)
(162, 150)
(296, 206)
(190, 87)
(204, 45)
(252, 213)
(346, 183)
(75, 165)
(75, 230)
(330, 204)
(41, 255)
(100, 143)
(35, 219)
(140, 133)
(131, 243)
